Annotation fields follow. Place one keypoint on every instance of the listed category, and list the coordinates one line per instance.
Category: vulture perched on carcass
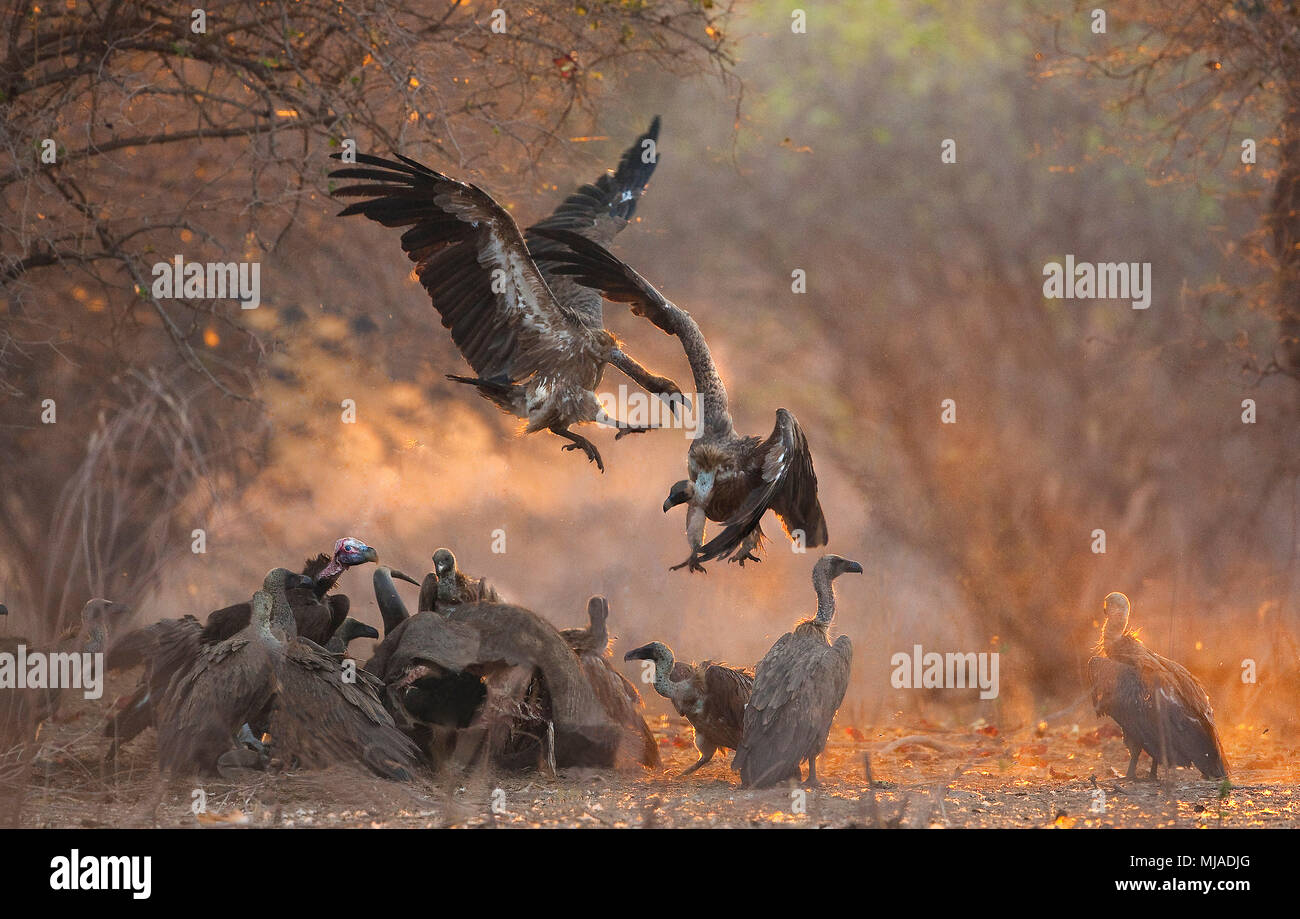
(617, 696)
(734, 479)
(266, 673)
(536, 353)
(711, 696)
(798, 686)
(1161, 708)
(447, 587)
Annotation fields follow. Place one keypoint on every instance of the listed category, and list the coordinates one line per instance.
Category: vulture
(536, 354)
(349, 629)
(318, 614)
(1160, 707)
(798, 686)
(711, 696)
(266, 672)
(619, 698)
(734, 479)
(391, 608)
(165, 648)
(448, 587)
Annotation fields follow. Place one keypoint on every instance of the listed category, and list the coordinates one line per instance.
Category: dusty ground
(925, 777)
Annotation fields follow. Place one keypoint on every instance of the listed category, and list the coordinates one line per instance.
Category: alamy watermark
(1098, 281)
(953, 670)
(637, 408)
(25, 669)
(182, 280)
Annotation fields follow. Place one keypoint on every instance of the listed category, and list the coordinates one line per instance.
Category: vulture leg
(1134, 753)
(1153, 767)
(580, 443)
(706, 753)
(811, 781)
(745, 553)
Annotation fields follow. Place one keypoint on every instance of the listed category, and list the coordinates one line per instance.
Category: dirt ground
(1068, 776)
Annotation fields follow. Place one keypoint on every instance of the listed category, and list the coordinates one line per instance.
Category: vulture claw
(622, 432)
(693, 563)
(749, 556)
(588, 448)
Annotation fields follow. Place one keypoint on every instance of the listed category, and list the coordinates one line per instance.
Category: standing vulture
(711, 696)
(1161, 708)
(318, 613)
(317, 715)
(535, 355)
(798, 686)
(734, 479)
(617, 696)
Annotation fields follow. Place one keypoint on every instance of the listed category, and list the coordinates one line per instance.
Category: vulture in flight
(1161, 708)
(734, 479)
(615, 693)
(798, 686)
(267, 673)
(711, 696)
(318, 613)
(536, 353)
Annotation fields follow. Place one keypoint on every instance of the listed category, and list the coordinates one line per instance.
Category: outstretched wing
(789, 487)
(472, 260)
(597, 212)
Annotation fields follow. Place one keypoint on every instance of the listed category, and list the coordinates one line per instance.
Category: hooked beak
(361, 630)
(638, 654)
(369, 555)
(401, 576)
(300, 580)
(853, 567)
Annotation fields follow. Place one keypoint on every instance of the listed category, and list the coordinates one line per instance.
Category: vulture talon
(749, 556)
(623, 432)
(588, 448)
(693, 563)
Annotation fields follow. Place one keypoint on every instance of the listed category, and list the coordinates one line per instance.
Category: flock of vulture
(470, 679)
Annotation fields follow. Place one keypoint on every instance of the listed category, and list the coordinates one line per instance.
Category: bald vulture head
(348, 551)
(1117, 608)
(598, 611)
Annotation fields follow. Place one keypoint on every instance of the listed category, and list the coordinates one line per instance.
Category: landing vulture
(734, 479)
